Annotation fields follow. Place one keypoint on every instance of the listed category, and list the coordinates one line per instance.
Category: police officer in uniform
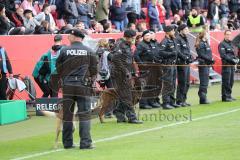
(229, 60)
(77, 67)
(144, 56)
(121, 72)
(168, 53)
(183, 68)
(5, 67)
(205, 61)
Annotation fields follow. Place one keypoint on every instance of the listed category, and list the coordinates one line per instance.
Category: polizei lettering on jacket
(76, 52)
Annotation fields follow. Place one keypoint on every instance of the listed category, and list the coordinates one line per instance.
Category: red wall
(25, 51)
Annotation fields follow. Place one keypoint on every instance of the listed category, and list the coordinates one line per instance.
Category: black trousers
(153, 82)
(3, 86)
(84, 115)
(204, 80)
(123, 88)
(183, 74)
(44, 87)
(169, 84)
(227, 81)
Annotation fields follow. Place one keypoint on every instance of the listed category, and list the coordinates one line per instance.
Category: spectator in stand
(213, 12)
(176, 21)
(224, 13)
(6, 26)
(132, 26)
(80, 25)
(83, 12)
(17, 17)
(198, 4)
(96, 27)
(204, 15)
(107, 28)
(9, 6)
(186, 5)
(65, 29)
(232, 22)
(60, 8)
(153, 14)
(167, 5)
(46, 15)
(195, 21)
(28, 4)
(136, 5)
(102, 11)
(44, 28)
(162, 12)
(118, 14)
(29, 22)
(176, 6)
(70, 12)
(234, 5)
(142, 26)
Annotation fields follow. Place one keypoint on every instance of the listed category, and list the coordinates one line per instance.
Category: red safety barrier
(25, 51)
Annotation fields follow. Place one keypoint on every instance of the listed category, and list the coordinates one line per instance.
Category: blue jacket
(153, 14)
(118, 13)
(82, 12)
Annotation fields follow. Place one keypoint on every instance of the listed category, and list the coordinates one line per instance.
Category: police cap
(168, 28)
(76, 33)
(130, 33)
(182, 27)
(145, 32)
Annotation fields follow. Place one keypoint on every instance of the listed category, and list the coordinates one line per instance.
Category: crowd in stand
(112, 16)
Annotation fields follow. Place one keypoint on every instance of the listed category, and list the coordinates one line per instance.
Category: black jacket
(184, 53)
(144, 52)
(121, 59)
(204, 53)
(9, 66)
(76, 64)
(5, 26)
(168, 51)
(226, 51)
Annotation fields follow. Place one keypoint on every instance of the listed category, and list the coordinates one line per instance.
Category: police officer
(229, 60)
(121, 73)
(77, 67)
(205, 61)
(183, 68)
(144, 56)
(168, 54)
(5, 67)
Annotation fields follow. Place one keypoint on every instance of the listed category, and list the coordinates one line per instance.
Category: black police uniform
(121, 70)
(3, 72)
(229, 59)
(183, 69)
(205, 59)
(144, 55)
(168, 54)
(77, 66)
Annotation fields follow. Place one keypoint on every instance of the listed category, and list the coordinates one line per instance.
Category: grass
(214, 138)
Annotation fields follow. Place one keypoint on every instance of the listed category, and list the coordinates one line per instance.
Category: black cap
(76, 33)
(182, 27)
(1, 6)
(26, 11)
(168, 28)
(145, 32)
(58, 37)
(130, 33)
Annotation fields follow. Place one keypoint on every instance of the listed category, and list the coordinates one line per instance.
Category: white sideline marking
(132, 133)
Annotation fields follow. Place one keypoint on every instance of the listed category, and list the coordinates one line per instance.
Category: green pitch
(207, 132)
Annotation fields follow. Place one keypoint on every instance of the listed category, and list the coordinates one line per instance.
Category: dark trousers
(123, 88)
(54, 85)
(169, 84)
(84, 115)
(183, 74)
(44, 87)
(153, 83)
(3, 86)
(227, 81)
(204, 80)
